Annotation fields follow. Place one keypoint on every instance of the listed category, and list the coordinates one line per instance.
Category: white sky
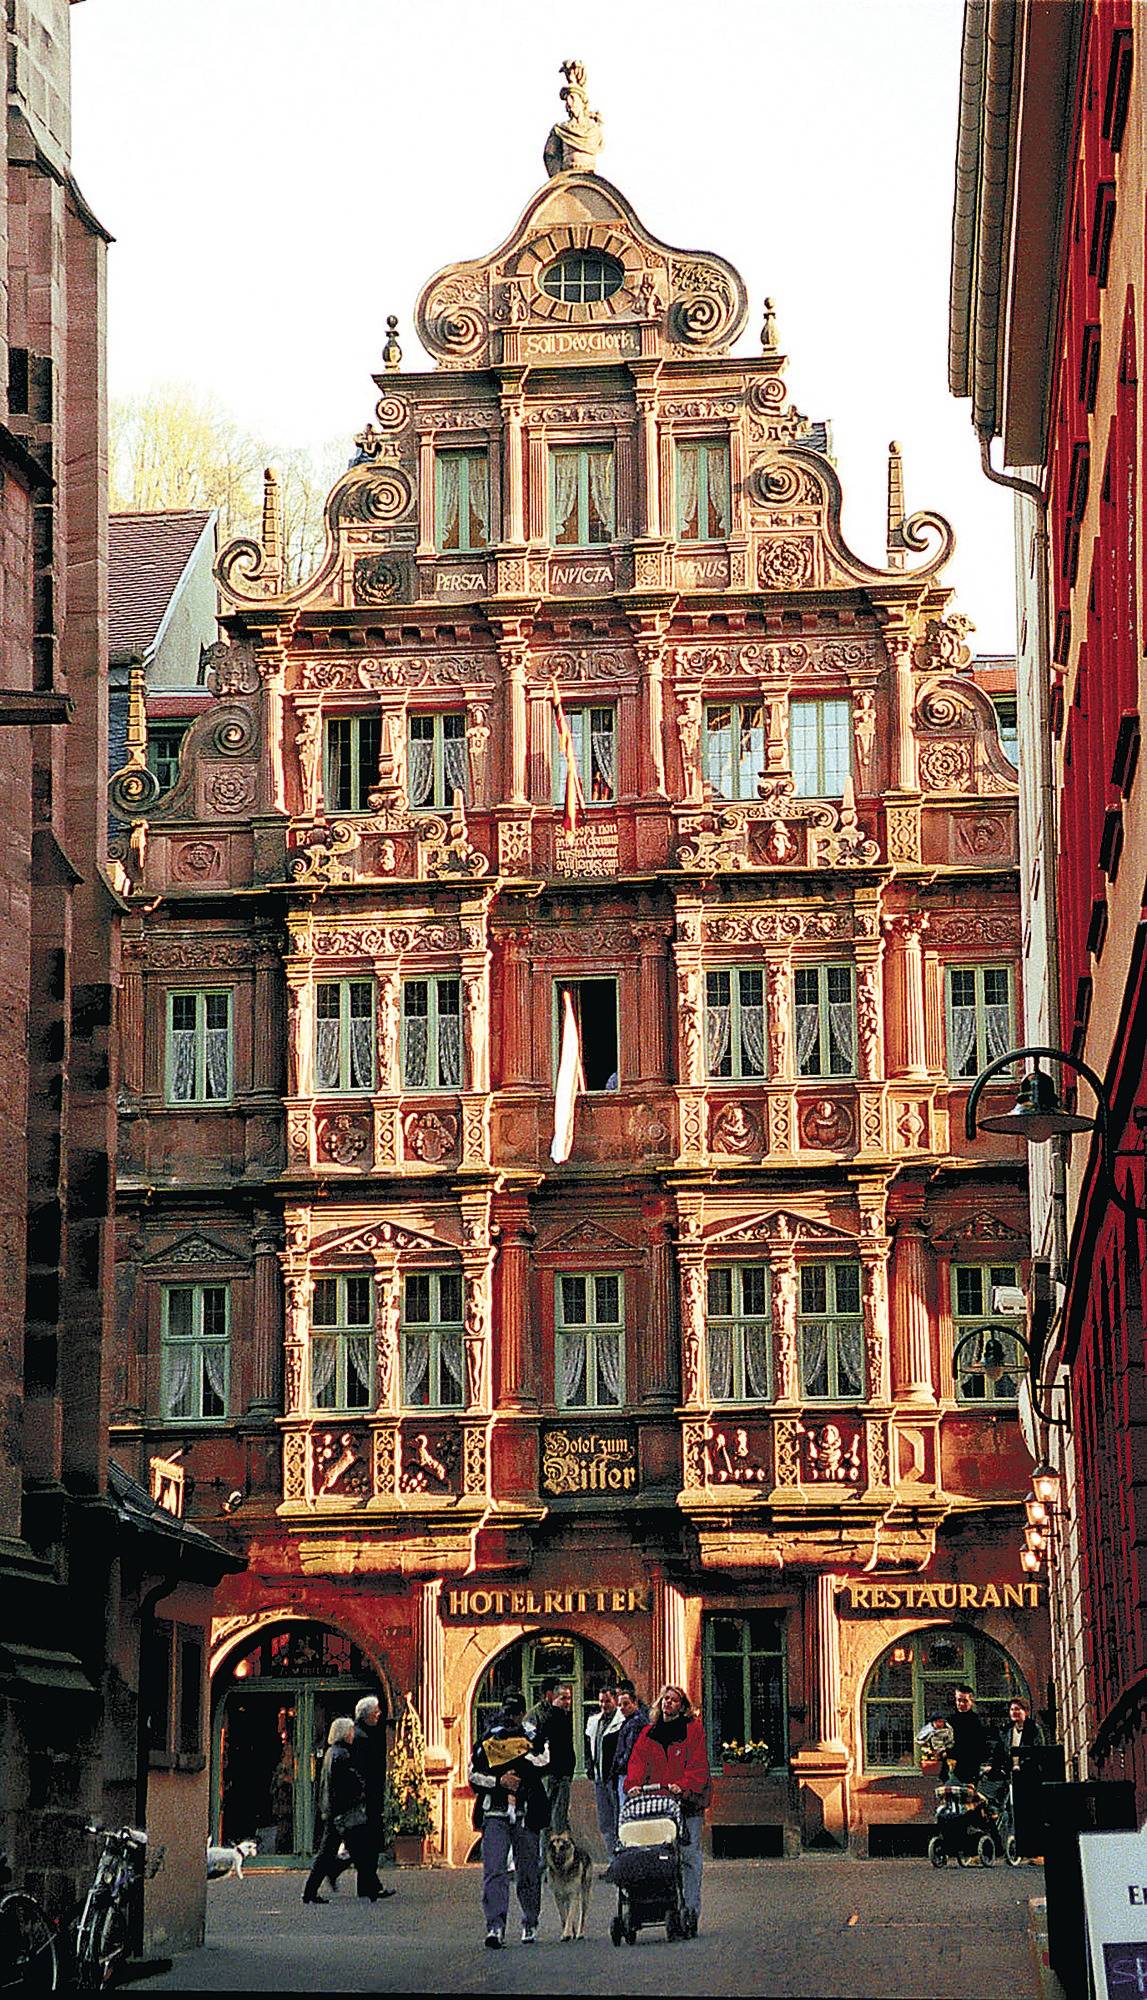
(280, 174)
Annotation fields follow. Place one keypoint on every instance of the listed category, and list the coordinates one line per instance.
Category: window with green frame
(164, 743)
(734, 747)
(198, 1056)
(431, 1034)
(979, 1008)
(583, 277)
(350, 762)
(589, 1340)
(831, 1332)
(737, 1333)
(916, 1678)
(344, 1034)
(581, 496)
(432, 1340)
(972, 1288)
(461, 501)
(824, 1009)
(196, 1343)
(342, 1342)
(820, 745)
(594, 733)
(703, 490)
(735, 1022)
(437, 762)
(743, 1662)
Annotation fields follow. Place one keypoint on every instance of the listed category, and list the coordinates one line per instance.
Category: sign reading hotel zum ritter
(579, 1458)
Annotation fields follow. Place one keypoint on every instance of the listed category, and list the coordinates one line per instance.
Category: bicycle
(29, 1953)
(103, 1933)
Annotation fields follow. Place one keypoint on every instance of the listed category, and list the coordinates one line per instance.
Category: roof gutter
(984, 167)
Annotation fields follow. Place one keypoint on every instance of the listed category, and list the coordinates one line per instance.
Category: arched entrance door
(522, 1668)
(276, 1697)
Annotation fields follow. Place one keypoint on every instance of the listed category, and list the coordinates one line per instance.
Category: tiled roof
(147, 556)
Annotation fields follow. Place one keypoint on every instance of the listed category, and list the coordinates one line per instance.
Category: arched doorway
(277, 1694)
(522, 1668)
(916, 1677)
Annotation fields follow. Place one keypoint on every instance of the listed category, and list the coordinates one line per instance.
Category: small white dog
(229, 1860)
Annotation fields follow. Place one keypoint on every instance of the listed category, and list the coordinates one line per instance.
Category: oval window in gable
(583, 277)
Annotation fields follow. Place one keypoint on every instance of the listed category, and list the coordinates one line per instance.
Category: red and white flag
(574, 795)
(571, 1082)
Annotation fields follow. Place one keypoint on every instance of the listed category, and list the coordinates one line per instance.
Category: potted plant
(407, 1814)
(736, 1755)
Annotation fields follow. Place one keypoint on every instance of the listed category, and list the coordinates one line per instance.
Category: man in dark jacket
(368, 1755)
(635, 1717)
(505, 1772)
(552, 1720)
(971, 1743)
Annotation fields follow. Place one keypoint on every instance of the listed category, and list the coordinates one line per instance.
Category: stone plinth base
(822, 1777)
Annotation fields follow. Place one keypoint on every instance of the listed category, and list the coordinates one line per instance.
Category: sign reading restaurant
(915, 1596)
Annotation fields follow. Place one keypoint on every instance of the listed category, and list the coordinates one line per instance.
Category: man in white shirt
(601, 1734)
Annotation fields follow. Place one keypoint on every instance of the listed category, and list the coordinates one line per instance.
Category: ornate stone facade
(757, 917)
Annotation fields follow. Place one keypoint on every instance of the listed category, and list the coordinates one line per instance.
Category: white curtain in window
(716, 1036)
(361, 1054)
(753, 1040)
(571, 1360)
(414, 1065)
(720, 1363)
(608, 1367)
(601, 786)
(450, 1352)
(814, 1357)
(450, 1051)
(455, 761)
(601, 489)
(808, 1037)
(718, 471)
(323, 1354)
(565, 496)
(214, 1354)
(688, 526)
(479, 503)
(218, 1051)
(415, 1368)
(849, 1359)
(997, 1030)
(182, 1065)
(358, 1371)
(757, 1360)
(177, 1381)
(420, 770)
(327, 1055)
(841, 1036)
(448, 489)
(963, 1051)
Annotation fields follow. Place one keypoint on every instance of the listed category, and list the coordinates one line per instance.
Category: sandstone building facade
(683, 1405)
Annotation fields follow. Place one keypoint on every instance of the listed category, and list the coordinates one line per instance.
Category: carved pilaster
(870, 1016)
(650, 940)
(669, 1662)
(515, 1047)
(908, 1053)
(476, 1331)
(691, 1280)
(300, 1030)
(425, 494)
(784, 1313)
(131, 1016)
(384, 1459)
(514, 1366)
(389, 1002)
(778, 1012)
(387, 1323)
(513, 482)
(266, 1033)
(267, 1330)
(912, 1328)
(514, 654)
(874, 1302)
(657, 1343)
(824, 1666)
(431, 1663)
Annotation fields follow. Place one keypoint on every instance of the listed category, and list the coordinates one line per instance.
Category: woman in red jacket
(672, 1754)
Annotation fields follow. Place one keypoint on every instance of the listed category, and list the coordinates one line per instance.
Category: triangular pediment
(373, 1239)
(588, 1236)
(196, 1250)
(495, 309)
(779, 1228)
(984, 1227)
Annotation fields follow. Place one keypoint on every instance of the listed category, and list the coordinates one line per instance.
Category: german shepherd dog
(569, 1872)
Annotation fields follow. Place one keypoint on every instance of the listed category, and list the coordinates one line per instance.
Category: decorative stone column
(431, 1663)
(907, 999)
(266, 1032)
(657, 1348)
(514, 654)
(514, 1367)
(385, 1467)
(650, 658)
(668, 1651)
(513, 484)
(823, 1764)
(781, 1101)
(650, 941)
(267, 1328)
(898, 645)
(515, 1043)
(131, 1031)
(911, 1319)
(874, 1300)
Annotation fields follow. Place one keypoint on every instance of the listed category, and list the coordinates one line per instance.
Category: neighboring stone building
(1047, 328)
(684, 1405)
(88, 1566)
(161, 620)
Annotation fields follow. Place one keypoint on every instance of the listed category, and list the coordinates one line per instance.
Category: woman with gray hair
(341, 1805)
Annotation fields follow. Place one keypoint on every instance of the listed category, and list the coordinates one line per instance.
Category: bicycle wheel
(111, 1943)
(29, 1958)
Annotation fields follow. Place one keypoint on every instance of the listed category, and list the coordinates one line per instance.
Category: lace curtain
(415, 1368)
(841, 1037)
(449, 484)
(849, 1359)
(361, 1053)
(327, 1054)
(182, 1065)
(213, 1355)
(752, 1040)
(450, 1371)
(455, 761)
(358, 1371)
(814, 1357)
(716, 1037)
(963, 1050)
(177, 1382)
(420, 770)
(687, 523)
(608, 1367)
(323, 1358)
(218, 1052)
(601, 496)
(997, 1029)
(449, 1052)
(720, 1363)
(757, 1361)
(717, 469)
(415, 1049)
(565, 497)
(601, 737)
(572, 1360)
(479, 489)
(808, 1037)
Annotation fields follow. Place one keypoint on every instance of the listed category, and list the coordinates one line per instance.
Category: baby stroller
(973, 1823)
(646, 1869)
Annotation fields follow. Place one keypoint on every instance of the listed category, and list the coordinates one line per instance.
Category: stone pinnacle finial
(392, 352)
(136, 736)
(272, 528)
(769, 329)
(574, 144)
(895, 538)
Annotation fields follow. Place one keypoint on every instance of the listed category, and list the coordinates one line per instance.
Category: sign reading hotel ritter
(580, 1458)
(524, 1602)
(919, 1596)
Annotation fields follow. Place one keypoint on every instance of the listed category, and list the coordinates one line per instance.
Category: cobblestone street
(833, 1929)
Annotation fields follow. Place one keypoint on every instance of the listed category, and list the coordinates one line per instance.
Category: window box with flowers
(736, 1757)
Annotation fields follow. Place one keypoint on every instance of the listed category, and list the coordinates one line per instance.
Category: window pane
(450, 1297)
(418, 1297)
(214, 1312)
(721, 1292)
(754, 1290)
(573, 1300)
(969, 1290)
(847, 1278)
(750, 749)
(324, 1310)
(814, 1288)
(717, 491)
(608, 1301)
(358, 1290)
(179, 1324)
(719, 750)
